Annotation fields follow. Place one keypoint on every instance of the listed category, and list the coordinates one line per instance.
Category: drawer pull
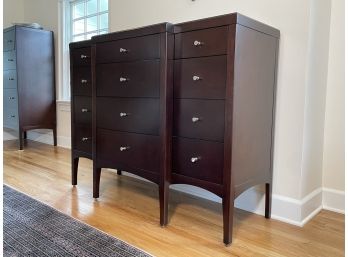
(198, 43)
(84, 139)
(10, 60)
(11, 79)
(84, 56)
(195, 159)
(124, 114)
(196, 78)
(13, 116)
(124, 148)
(9, 41)
(84, 110)
(195, 119)
(84, 81)
(11, 98)
(123, 50)
(122, 79)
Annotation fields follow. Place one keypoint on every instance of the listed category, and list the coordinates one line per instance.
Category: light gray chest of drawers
(28, 81)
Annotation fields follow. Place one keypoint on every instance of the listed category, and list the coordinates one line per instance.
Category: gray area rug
(32, 228)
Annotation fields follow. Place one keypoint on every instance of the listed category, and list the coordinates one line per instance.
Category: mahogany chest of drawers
(81, 103)
(132, 96)
(28, 81)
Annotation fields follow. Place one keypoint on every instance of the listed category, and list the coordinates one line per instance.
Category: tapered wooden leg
(268, 200)
(21, 140)
(227, 207)
(25, 135)
(163, 197)
(55, 136)
(74, 169)
(119, 172)
(96, 181)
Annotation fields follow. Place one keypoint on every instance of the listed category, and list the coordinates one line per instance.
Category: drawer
(200, 78)
(9, 40)
(133, 79)
(130, 115)
(10, 60)
(83, 110)
(203, 42)
(10, 79)
(81, 56)
(11, 118)
(139, 48)
(10, 99)
(82, 81)
(198, 159)
(127, 149)
(83, 138)
(201, 119)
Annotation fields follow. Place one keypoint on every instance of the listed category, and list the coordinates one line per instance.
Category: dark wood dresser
(81, 103)
(132, 109)
(224, 100)
(29, 81)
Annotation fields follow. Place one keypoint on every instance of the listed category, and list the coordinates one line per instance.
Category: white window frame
(64, 38)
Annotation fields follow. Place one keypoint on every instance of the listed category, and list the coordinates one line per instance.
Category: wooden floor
(128, 209)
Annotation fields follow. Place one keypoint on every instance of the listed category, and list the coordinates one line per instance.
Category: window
(88, 18)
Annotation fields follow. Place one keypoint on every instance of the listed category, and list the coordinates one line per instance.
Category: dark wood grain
(83, 138)
(83, 110)
(81, 81)
(81, 56)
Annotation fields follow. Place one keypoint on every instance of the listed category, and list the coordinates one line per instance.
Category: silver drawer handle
(84, 81)
(124, 148)
(13, 116)
(11, 79)
(9, 41)
(84, 139)
(10, 60)
(11, 98)
(195, 119)
(196, 78)
(122, 79)
(123, 50)
(84, 110)
(123, 114)
(195, 159)
(84, 56)
(198, 43)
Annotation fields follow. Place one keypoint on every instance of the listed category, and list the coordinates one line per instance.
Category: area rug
(32, 228)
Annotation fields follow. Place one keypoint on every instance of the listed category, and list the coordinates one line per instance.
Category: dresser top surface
(141, 31)
(224, 20)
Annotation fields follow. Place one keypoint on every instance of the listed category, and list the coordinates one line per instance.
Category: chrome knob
(84, 81)
(195, 159)
(198, 43)
(84, 56)
(12, 116)
(10, 78)
(84, 110)
(123, 50)
(9, 41)
(196, 78)
(84, 139)
(123, 114)
(10, 60)
(11, 98)
(124, 148)
(122, 79)
(195, 119)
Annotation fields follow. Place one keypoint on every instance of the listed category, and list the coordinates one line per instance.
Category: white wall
(304, 26)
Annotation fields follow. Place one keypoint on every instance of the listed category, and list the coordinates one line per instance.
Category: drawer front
(9, 40)
(82, 81)
(83, 110)
(198, 159)
(132, 150)
(83, 138)
(201, 119)
(10, 60)
(10, 79)
(204, 42)
(10, 98)
(139, 48)
(81, 56)
(131, 115)
(134, 79)
(11, 118)
(200, 78)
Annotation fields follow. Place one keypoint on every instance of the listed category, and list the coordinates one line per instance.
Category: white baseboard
(333, 200)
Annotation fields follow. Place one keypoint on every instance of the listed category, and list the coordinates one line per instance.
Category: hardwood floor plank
(128, 209)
